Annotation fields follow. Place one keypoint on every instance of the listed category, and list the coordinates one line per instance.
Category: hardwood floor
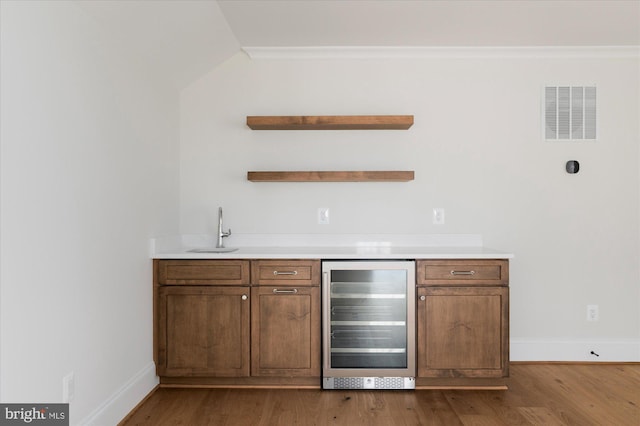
(538, 394)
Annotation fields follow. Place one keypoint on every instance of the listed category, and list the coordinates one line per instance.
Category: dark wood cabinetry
(285, 318)
(203, 331)
(462, 319)
(285, 331)
(256, 323)
(202, 272)
(202, 318)
(237, 322)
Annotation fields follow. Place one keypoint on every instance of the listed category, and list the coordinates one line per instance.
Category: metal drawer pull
(285, 291)
(285, 272)
(463, 272)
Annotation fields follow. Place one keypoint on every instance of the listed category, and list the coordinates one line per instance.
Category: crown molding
(427, 52)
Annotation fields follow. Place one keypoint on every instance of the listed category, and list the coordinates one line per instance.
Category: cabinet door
(285, 331)
(463, 332)
(203, 331)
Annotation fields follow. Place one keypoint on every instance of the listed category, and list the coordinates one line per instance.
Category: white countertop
(323, 246)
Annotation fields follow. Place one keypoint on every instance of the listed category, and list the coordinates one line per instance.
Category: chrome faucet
(221, 233)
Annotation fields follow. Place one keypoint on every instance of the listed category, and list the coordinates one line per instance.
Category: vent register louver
(570, 113)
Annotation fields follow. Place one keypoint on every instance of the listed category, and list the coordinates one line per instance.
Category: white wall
(88, 174)
(477, 151)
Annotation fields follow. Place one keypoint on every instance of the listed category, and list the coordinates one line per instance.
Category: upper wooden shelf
(330, 122)
(343, 176)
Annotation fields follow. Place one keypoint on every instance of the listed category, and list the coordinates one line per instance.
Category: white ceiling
(433, 23)
(183, 39)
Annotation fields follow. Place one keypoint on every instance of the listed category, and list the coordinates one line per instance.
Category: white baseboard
(575, 350)
(118, 405)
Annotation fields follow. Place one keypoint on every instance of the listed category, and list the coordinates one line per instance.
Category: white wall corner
(122, 401)
(575, 350)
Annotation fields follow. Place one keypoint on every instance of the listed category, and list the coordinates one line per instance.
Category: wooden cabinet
(256, 323)
(203, 331)
(202, 272)
(237, 322)
(463, 319)
(202, 314)
(285, 318)
(285, 272)
(479, 272)
(285, 331)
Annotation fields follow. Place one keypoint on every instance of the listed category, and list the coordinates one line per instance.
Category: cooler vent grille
(369, 383)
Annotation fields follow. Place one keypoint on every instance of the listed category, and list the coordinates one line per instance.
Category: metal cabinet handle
(285, 291)
(463, 272)
(244, 297)
(285, 272)
(423, 298)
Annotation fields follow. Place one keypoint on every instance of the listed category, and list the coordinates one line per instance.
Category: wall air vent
(570, 113)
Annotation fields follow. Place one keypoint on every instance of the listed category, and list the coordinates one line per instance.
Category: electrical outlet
(68, 387)
(323, 216)
(593, 313)
(438, 216)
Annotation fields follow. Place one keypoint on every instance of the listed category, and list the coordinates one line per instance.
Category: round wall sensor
(573, 166)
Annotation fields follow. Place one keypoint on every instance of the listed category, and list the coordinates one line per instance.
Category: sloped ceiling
(184, 39)
(180, 40)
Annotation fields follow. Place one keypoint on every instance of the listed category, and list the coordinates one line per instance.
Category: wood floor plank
(436, 409)
(595, 392)
(538, 394)
(471, 408)
(540, 416)
(505, 407)
(544, 390)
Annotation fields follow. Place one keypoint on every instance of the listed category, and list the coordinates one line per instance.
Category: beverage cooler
(368, 319)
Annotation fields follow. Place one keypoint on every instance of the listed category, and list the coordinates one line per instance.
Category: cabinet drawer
(285, 272)
(203, 272)
(463, 272)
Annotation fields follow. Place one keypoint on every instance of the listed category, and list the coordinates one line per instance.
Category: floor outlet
(68, 387)
(323, 216)
(592, 313)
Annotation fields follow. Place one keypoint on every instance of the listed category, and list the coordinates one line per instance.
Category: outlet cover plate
(438, 216)
(323, 216)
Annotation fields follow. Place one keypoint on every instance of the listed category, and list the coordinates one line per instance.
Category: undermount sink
(214, 250)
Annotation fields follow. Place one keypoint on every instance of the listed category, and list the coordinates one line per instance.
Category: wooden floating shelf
(330, 122)
(358, 176)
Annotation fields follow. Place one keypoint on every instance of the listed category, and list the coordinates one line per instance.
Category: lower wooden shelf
(330, 176)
